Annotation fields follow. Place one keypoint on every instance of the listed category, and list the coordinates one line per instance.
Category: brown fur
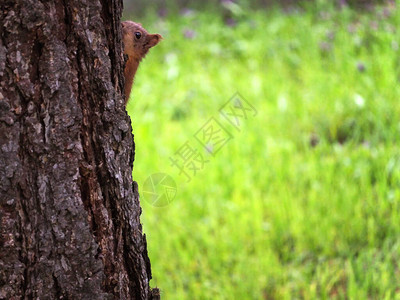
(136, 49)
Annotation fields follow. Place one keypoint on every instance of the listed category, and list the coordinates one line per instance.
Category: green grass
(271, 216)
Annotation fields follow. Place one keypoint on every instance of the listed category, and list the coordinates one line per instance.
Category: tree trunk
(69, 211)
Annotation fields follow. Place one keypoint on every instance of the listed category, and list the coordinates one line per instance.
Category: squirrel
(137, 42)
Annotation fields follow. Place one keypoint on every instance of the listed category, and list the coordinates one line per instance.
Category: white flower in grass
(359, 100)
(282, 103)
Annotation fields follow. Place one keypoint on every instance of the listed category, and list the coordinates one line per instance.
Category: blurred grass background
(304, 201)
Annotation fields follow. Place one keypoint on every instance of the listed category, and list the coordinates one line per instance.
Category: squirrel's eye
(138, 34)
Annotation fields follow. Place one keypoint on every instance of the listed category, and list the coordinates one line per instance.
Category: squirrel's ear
(154, 39)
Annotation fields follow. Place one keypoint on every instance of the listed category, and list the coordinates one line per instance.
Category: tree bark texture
(69, 211)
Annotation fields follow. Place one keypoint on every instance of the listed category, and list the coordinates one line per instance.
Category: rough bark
(69, 211)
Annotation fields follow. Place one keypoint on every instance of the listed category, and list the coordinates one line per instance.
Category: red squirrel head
(137, 41)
